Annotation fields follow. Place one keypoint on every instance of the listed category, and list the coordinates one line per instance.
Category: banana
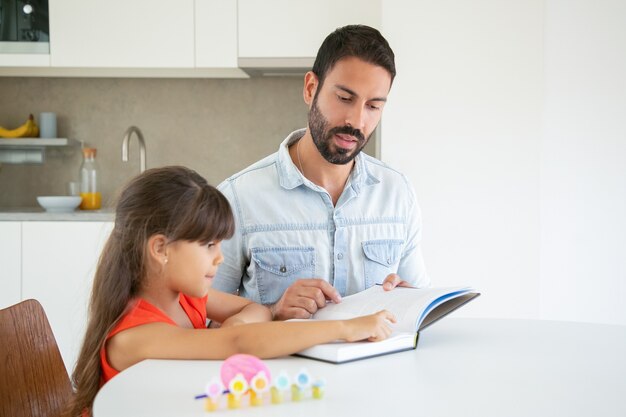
(28, 130)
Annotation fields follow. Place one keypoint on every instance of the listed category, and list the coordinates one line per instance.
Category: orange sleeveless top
(142, 312)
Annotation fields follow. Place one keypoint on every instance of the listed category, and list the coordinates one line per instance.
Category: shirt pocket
(382, 258)
(275, 269)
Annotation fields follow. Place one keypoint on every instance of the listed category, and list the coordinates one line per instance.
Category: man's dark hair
(360, 41)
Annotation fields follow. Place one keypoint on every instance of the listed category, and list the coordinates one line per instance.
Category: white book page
(405, 303)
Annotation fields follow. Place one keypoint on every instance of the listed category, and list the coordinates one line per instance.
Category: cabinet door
(24, 60)
(10, 263)
(122, 34)
(296, 28)
(216, 33)
(58, 263)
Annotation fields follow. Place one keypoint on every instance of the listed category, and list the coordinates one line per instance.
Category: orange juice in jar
(91, 201)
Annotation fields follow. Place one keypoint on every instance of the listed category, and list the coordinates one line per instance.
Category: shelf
(36, 142)
(30, 150)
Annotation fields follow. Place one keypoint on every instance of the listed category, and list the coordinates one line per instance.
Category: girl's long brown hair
(173, 201)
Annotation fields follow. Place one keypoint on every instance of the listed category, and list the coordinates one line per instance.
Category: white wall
(583, 162)
(466, 123)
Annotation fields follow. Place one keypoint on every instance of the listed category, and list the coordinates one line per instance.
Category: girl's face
(191, 266)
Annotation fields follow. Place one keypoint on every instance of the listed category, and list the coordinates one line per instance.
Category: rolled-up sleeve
(412, 267)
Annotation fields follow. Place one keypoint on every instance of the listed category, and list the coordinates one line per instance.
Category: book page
(407, 304)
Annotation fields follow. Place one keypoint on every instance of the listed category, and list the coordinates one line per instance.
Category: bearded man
(318, 219)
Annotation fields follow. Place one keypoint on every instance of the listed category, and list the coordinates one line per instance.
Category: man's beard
(323, 137)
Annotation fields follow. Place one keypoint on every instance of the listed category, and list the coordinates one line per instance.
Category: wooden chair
(33, 378)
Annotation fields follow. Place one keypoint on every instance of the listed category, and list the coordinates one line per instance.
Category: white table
(461, 367)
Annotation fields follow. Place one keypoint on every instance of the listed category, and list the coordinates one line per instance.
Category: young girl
(151, 294)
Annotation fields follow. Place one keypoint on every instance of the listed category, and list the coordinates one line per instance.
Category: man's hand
(392, 281)
(303, 298)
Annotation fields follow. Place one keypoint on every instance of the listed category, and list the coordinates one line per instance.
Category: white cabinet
(189, 38)
(296, 28)
(59, 260)
(10, 263)
(122, 34)
(216, 33)
(24, 60)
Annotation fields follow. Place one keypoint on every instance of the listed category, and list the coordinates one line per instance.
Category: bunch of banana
(28, 130)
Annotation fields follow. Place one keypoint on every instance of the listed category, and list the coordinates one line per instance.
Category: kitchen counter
(37, 214)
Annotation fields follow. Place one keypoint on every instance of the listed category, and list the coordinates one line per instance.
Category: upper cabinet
(170, 38)
(296, 28)
(216, 33)
(122, 34)
(187, 38)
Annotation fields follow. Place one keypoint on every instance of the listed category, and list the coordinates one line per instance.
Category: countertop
(37, 214)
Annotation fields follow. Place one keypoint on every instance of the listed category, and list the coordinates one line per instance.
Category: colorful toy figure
(281, 385)
(247, 374)
(214, 391)
(302, 383)
(237, 387)
(259, 384)
(318, 389)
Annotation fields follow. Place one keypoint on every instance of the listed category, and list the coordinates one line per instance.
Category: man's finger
(329, 291)
(391, 282)
(306, 303)
(313, 293)
(298, 313)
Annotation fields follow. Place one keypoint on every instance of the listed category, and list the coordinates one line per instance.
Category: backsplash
(215, 126)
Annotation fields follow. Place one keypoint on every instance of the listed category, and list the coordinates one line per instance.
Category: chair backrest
(33, 378)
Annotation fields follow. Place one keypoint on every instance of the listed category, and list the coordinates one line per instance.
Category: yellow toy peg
(237, 387)
(258, 385)
(210, 404)
(318, 389)
(281, 384)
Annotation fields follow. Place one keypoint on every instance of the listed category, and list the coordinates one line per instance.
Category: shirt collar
(290, 177)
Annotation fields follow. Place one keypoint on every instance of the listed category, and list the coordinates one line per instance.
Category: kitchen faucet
(142, 147)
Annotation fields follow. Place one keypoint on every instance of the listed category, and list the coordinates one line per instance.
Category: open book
(414, 308)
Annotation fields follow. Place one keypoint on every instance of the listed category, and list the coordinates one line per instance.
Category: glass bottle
(89, 191)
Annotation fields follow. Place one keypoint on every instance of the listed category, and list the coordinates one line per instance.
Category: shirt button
(340, 256)
(283, 269)
(389, 261)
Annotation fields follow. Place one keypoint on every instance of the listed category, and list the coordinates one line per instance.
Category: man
(318, 219)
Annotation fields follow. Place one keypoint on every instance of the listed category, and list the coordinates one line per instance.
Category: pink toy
(247, 365)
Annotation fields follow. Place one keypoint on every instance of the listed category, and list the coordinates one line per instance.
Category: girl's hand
(374, 327)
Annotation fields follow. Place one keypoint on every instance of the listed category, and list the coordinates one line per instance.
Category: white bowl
(60, 203)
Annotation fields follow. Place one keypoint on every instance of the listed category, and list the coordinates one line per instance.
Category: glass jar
(89, 191)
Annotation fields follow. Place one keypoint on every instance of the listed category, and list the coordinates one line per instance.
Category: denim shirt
(287, 228)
